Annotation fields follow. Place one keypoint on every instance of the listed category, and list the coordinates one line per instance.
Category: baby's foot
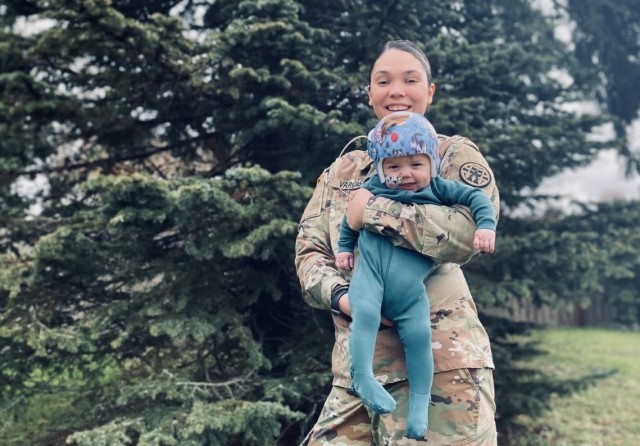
(372, 393)
(418, 416)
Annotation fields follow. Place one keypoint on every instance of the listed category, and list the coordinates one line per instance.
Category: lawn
(607, 414)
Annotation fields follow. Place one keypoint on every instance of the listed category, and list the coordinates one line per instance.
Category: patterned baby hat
(401, 134)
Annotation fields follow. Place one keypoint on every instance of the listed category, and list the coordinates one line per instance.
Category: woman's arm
(314, 260)
(443, 233)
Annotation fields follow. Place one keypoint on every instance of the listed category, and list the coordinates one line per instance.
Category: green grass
(607, 414)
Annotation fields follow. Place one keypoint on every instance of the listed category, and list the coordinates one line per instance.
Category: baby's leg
(407, 304)
(415, 334)
(365, 299)
(365, 310)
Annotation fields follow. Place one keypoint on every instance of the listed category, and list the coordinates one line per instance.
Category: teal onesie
(389, 280)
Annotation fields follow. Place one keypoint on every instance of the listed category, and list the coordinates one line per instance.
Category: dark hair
(411, 48)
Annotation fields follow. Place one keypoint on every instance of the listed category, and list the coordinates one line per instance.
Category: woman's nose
(396, 90)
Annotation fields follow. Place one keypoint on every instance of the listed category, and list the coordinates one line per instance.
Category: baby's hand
(485, 240)
(344, 261)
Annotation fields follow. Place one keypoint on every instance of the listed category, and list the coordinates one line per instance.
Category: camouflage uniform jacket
(445, 234)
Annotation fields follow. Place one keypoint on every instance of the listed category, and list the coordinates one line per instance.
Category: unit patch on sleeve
(475, 175)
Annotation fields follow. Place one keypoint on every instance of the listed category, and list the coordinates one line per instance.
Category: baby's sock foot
(372, 393)
(418, 416)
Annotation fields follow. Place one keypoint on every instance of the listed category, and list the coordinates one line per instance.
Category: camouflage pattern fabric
(459, 340)
(461, 413)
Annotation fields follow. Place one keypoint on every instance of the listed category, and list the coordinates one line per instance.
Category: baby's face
(409, 172)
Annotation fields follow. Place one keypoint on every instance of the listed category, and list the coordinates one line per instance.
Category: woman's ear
(431, 90)
(369, 93)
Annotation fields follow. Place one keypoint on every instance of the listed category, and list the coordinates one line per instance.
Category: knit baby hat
(401, 134)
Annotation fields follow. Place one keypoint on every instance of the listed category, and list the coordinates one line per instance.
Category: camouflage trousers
(462, 412)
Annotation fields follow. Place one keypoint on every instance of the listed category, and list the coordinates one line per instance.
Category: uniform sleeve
(441, 232)
(314, 259)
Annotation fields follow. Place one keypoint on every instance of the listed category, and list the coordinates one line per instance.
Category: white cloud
(602, 180)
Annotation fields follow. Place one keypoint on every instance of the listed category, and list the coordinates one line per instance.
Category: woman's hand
(344, 261)
(357, 205)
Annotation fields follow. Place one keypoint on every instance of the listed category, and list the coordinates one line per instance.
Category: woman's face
(399, 83)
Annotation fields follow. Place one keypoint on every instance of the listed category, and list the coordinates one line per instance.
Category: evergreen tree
(606, 39)
(147, 290)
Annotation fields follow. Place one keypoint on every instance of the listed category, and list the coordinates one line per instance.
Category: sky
(605, 178)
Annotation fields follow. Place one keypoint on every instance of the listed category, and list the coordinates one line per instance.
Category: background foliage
(156, 157)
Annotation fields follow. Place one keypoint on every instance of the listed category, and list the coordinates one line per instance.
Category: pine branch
(108, 161)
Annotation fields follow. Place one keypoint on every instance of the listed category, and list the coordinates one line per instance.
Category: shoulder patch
(475, 175)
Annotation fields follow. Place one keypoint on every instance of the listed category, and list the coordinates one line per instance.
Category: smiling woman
(401, 81)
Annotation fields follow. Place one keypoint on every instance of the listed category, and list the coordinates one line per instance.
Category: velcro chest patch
(347, 184)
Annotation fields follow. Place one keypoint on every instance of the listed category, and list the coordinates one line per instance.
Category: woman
(463, 408)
